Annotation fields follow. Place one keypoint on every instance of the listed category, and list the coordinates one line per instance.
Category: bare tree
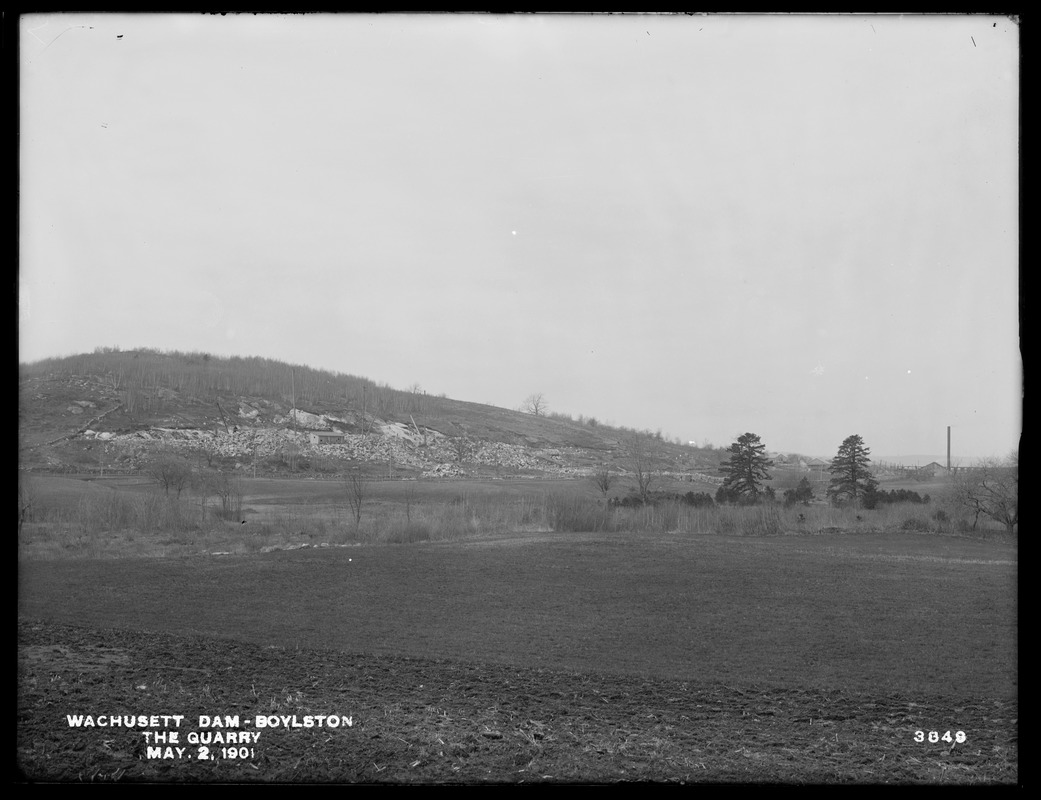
(227, 489)
(535, 404)
(410, 498)
(355, 487)
(205, 451)
(27, 499)
(290, 453)
(603, 478)
(638, 455)
(170, 470)
(254, 445)
(464, 448)
(990, 489)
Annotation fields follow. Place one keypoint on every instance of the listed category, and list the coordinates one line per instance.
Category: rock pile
(390, 444)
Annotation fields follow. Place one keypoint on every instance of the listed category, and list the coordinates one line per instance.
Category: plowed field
(794, 661)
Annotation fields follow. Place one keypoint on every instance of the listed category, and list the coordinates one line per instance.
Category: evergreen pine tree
(851, 476)
(745, 470)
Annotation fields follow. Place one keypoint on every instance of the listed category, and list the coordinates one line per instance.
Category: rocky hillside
(119, 410)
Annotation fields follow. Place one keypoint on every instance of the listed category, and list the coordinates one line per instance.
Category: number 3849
(935, 736)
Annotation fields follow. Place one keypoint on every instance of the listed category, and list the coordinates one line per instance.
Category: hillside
(114, 410)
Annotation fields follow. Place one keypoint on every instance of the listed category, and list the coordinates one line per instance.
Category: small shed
(325, 437)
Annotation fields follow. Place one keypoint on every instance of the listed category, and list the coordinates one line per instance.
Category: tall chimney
(948, 449)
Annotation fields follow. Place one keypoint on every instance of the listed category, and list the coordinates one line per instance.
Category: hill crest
(113, 409)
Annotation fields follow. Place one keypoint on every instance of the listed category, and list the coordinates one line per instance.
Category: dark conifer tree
(745, 470)
(851, 475)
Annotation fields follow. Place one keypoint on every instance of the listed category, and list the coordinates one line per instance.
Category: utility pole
(948, 449)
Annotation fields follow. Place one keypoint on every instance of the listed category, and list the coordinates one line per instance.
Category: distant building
(325, 437)
(932, 470)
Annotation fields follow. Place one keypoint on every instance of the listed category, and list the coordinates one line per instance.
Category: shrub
(728, 496)
(882, 497)
(631, 500)
(803, 493)
(915, 524)
(698, 499)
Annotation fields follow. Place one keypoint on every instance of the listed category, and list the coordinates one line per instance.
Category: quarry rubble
(393, 444)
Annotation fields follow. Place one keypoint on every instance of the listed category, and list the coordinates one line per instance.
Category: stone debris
(394, 444)
(257, 433)
(444, 471)
(700, 476)
(275, 547)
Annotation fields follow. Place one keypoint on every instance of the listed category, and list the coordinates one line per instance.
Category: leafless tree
(535, 404)
(603, 478)
(410, 498)
(290, 453)
(26, 499)
(171, 470)
(205, 451)
(638, 455)
(254, 446)
(464, 448)
(355, 487)
(990, 488)
(227, 489)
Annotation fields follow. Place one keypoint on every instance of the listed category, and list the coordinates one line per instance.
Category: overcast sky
(803, 227)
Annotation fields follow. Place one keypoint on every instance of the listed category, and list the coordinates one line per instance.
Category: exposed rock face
(308, 420)
(124, 429)
(311, 422)
(390, 444)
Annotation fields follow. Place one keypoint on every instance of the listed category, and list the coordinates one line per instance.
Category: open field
(539, 656)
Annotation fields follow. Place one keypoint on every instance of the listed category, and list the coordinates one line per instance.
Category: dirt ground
(447, 722)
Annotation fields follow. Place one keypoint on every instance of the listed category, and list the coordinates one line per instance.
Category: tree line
(989, 490)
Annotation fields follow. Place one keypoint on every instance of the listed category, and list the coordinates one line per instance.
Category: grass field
(540, 656)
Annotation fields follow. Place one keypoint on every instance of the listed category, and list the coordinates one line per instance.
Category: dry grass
(128, 517)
